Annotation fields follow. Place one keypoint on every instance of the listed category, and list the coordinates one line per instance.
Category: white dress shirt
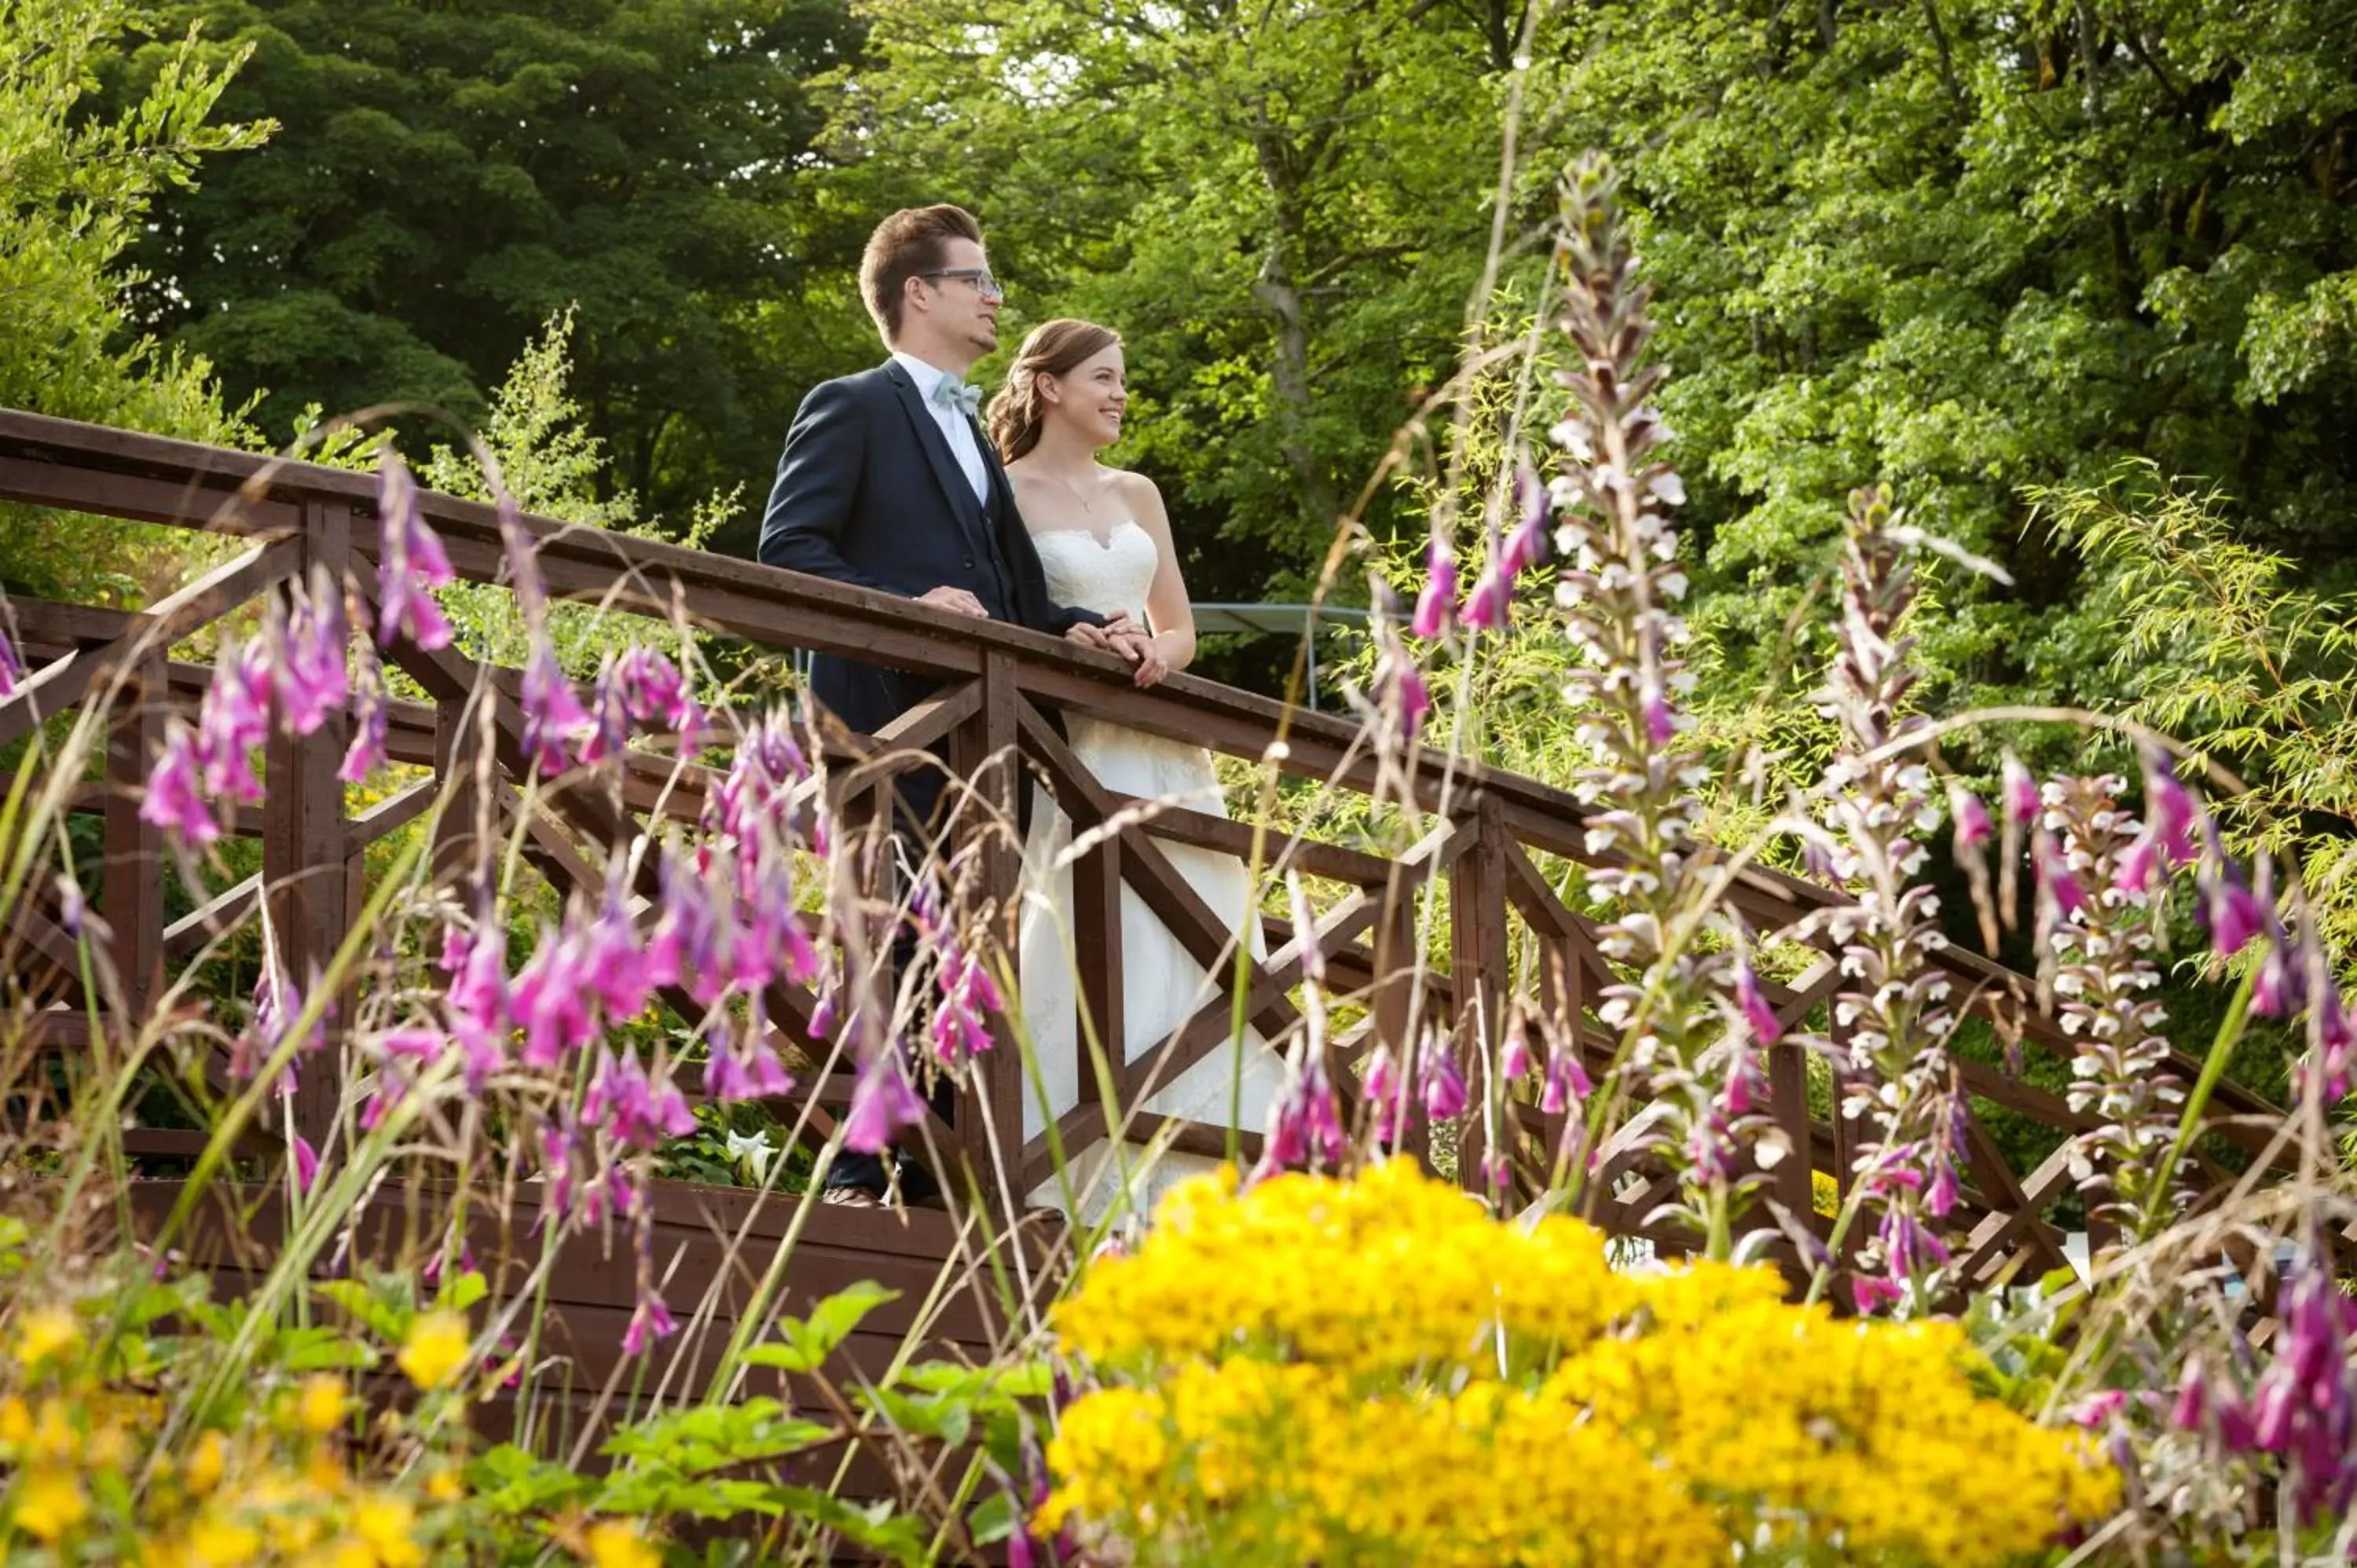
(956, 428)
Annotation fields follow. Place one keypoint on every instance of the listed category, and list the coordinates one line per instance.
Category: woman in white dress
(1104, 539)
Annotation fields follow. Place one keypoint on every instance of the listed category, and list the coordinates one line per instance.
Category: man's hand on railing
(950, 599)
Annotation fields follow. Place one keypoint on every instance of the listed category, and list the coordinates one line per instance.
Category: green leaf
(995, 1519)
(810, 1341)
(464, 1291)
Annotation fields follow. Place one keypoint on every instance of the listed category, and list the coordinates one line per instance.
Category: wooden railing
(1490, 835)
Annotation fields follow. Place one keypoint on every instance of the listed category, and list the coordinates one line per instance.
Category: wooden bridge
(1507, 847)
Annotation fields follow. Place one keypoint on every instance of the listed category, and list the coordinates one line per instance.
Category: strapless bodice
(1114, 573)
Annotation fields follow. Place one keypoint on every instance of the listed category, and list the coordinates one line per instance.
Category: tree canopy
(449, 176)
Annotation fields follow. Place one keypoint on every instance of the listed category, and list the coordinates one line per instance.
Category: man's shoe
(853, 1197)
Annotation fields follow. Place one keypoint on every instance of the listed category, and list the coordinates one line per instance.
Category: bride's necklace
(1077, 493)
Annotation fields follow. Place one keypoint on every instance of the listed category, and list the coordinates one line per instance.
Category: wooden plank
(1478, 963)
(214, 917)
(58, 687)
(133, 876)
(303, 847)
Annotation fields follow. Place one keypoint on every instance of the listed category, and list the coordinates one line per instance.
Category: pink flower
(1871, 1292)
(2097, 1409)
(616, 962)
(2055, 876)
(651, 1321)
(307, 1164)
(366, 753)
(640, 1112)
(1660, 725)
(1766, 1027)
(2280, 988)
(1514, 1063)
(2139, 868)
(1435, 606)
(1386, 1093)
(174, 801)
(1444, 1086)
(1526, 546)
(1414, 702)
(552, 998)
(1490, 606)
(412, 562)
(233, 719)
(2170, 810)
(2018, 791)
(1972, 819)
(2235, 915)
(309, 678)
(12, 668)
(1567, 1082)
(754, 1074)
(477, 998)
(555, 724)
(882, 1103)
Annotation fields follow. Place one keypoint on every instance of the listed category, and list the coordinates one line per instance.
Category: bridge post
(303, 844)
(132, 879)
(985, 749)
(1478, 964)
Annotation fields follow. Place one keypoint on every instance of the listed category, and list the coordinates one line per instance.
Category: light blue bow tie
(948, 393)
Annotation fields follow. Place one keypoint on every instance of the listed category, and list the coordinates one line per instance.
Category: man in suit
(887, 482)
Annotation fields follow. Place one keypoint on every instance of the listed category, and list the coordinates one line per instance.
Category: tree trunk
(1278, 288)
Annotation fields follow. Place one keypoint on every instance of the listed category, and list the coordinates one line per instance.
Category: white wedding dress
(1162, 985)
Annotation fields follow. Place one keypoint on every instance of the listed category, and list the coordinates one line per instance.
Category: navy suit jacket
(868, 492)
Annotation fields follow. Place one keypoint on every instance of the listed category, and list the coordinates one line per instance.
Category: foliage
(2216, 640)
(1975, 245)
(78, 181)
(450, 176)
(144, 1421)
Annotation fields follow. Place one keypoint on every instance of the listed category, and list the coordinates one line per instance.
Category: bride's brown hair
(1053, 349)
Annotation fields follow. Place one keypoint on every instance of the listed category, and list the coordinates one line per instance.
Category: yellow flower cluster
(1256, 1462)
(1861, 1432)
(1374, 1370)
(1388, 1271)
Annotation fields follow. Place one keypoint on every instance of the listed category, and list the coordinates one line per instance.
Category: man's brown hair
(912, 241)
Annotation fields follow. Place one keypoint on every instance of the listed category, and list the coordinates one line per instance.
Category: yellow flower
(217, 1542)
(444, 1486)
(320, 1407)
(436, 1350)
(51, 1503)
(206, 1463)
(16, 1422)
(384, 1523)
(44, 1332)
(616, 1543)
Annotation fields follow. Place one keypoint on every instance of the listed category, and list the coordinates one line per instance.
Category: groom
(887, 482)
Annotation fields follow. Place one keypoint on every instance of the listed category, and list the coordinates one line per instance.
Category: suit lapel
(946, 472)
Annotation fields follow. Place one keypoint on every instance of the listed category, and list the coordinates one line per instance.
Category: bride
(1105, 541)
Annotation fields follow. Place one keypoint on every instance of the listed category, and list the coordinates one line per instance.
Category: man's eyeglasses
(983, 283)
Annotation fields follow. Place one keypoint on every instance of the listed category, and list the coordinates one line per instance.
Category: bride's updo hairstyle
(1053, 349)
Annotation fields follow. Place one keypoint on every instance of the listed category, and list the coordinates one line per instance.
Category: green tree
(76, 184)
(452, 175)
(1279, 208)
(1972, 246)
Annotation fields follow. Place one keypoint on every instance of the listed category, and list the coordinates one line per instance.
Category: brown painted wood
(1479, 964)
(132, 879)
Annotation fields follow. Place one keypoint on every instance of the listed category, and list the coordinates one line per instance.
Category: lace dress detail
(1162, 984)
